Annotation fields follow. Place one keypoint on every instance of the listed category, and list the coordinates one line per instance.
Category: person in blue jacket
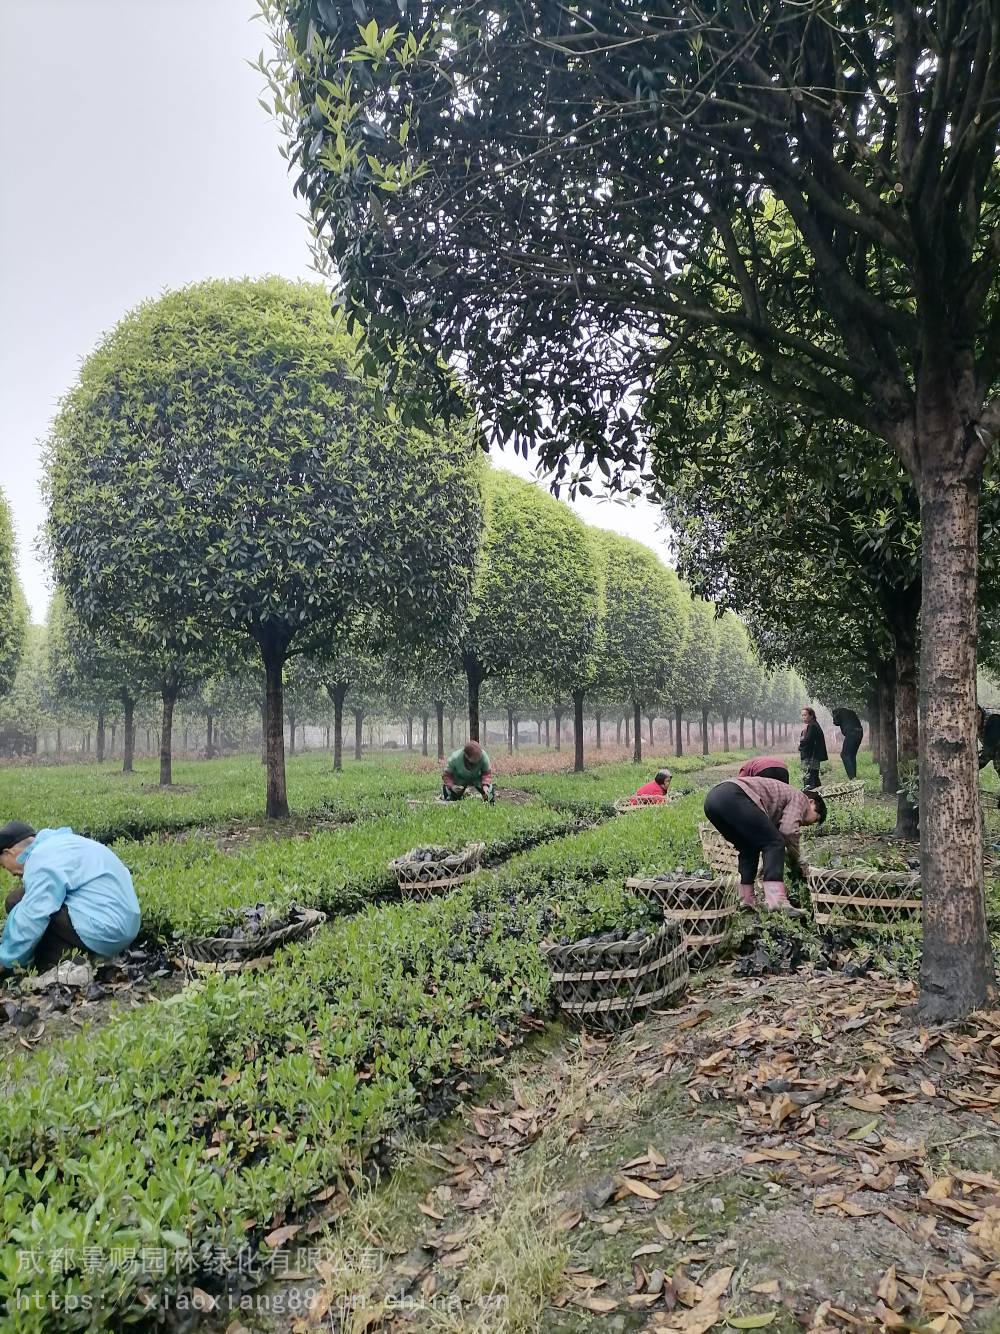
(74, 896)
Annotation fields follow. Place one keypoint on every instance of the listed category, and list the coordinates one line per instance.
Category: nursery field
(166, 1162)
(157, 1153)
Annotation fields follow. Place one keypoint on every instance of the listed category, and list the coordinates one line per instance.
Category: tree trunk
(424, 724)
(689, 731)
(149, 744)
(114, 738)
(59, 741)
(409, 732)
(451, 731)
(510, 730)
(618, 737)
(704, 731)
(169, 696)
(874, 724)
(517, 733)
(326, 743)
(291, 732)
(439, 720)
(558, 729)
(474, 677)
(274, 732)
(678, 737)
(628, 731)
(208, 735)
(338, 693)
(578, 731)
(538, 725)
(359, 733)
(637, 731)
(548, 735)
(956, 969)
(742, 732)
(725, 732)
(651, 720)
(101, 734)
(908, 746)
(886, 678)
(753, 732)
(597, 729)
(128, 738)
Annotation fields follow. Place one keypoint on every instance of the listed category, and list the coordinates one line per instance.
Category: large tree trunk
(359, 733)
(886, 678)
(274, 732)
(439, 716)
(169, 697)
(678, 724)
(558, 729)
(338, 693)
(637, 732)
(474, 677)
(101, 734)
(704, 731)
(128, 732)
(578, 731)
(409, 732)
(725, 731)
(907, 756)
(956, 970)
(597, 729)
(874, 724)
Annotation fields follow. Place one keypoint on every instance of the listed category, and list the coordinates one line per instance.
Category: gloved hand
(488, 792)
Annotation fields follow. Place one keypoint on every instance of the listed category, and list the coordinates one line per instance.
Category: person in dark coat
(850, 724)
(812, 748)
(988, 730)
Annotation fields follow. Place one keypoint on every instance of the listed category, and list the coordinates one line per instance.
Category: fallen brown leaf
(639, 1188)
(280, 1235)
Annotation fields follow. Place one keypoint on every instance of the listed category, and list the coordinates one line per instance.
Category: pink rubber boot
(777, 900)
(748, 897)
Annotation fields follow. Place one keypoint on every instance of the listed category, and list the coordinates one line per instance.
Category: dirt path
(783, 1153)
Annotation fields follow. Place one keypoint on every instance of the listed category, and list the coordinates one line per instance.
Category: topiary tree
(220, 472)
(734, 671)
(694, 677)
(535, 596)
(644, 627)
(14, 627)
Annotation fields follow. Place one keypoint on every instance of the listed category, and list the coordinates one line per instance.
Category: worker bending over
(761, 817)
(74, 896)
(655, 792)
(765, 766)
(468, 767)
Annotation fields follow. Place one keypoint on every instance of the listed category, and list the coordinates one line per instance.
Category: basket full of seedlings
(863, 897)
(253, 932)
(720, 857)
(609, 981)
(705, 905)
(434, 870)
(844, 795)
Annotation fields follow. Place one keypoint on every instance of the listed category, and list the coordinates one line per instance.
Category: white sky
(135, 157)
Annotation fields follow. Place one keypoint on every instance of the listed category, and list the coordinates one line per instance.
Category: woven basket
(990, 803)
(221, 949)
(707, 911)
(844, 794)
(720, 856)
(860, 897)
(423, 879)
(610, 986)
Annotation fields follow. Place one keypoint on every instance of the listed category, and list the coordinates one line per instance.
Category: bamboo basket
(707, 912)
(608, 986)
(843, 795)
(223, 949)
(856, 896)
(424, 879)
(720, 856)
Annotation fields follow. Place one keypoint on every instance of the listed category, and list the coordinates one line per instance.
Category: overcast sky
(136, 157)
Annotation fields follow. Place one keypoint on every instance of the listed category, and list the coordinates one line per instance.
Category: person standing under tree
(468, 767)
(850, 725)
(812, 749)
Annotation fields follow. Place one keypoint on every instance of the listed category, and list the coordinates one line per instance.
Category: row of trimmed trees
(227, 501)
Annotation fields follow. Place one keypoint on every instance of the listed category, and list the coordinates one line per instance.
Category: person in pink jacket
(761, 817)
(764, 766)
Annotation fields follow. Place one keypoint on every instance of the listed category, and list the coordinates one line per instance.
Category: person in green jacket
(468, 767)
